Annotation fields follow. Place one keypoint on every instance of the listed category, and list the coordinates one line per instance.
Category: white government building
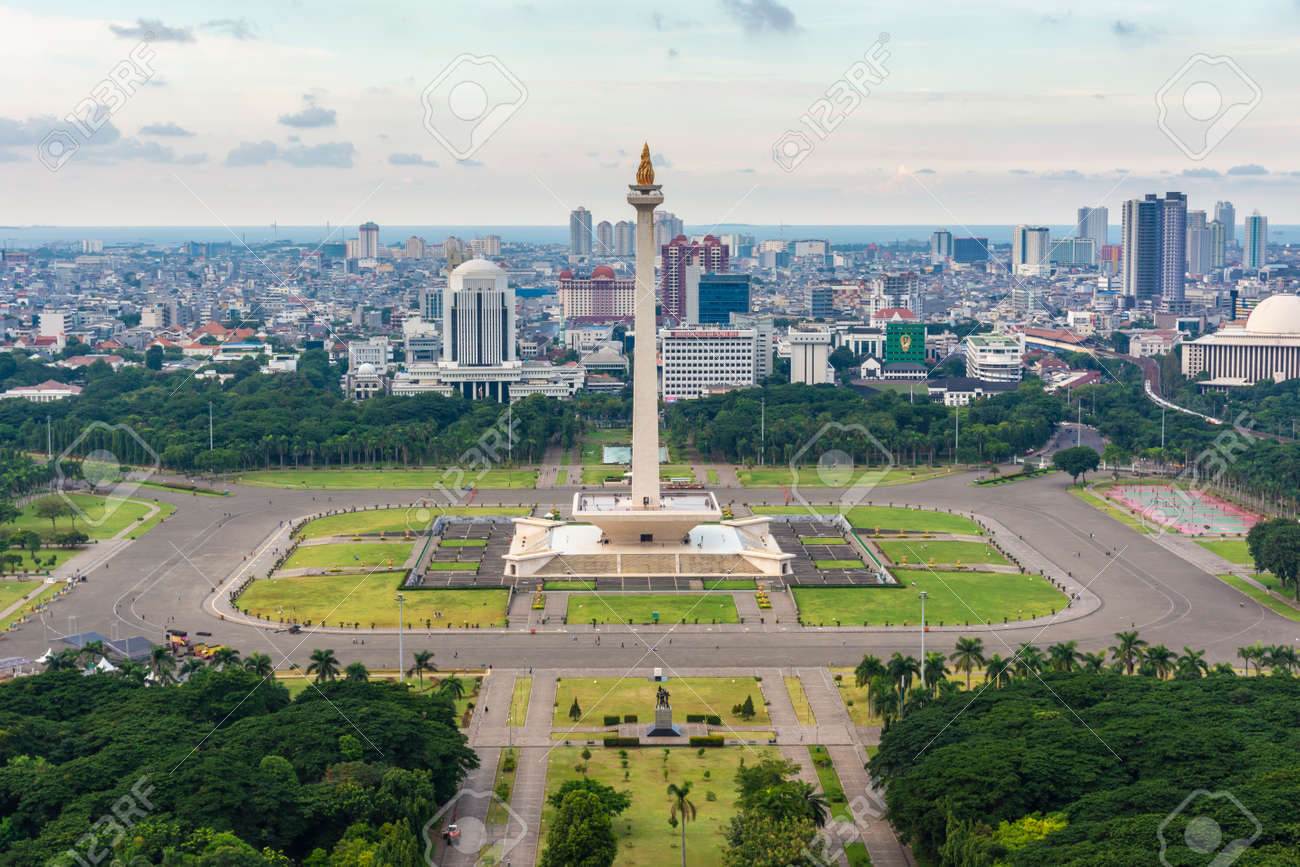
(1266, 348)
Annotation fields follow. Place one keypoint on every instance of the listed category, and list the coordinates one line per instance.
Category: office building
(1094, 224)
(821, 302)
(765, 328)
(415, 248)
(810, 353)
(1030, 251)
(1254, 247)
(667, 227)
(580, 232)
(904, 342)
(1142, 233)
(940, 247)
(431, 304)
(604, 238)
(1226, 214)
(994, 357)
(970, 251)
(709, 254)
(1072, 252)
(713, 298)
(696, 360)
(1218, 244)
(1173, 251)
(602, 297)
(1266, 348)
(368, 241)
(478, 319)
(487, 247)
(1198, 244)
(623, 238)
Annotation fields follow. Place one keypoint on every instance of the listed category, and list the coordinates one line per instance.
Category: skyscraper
(1254, 247)
(623, 231)
(478, 316)
(1218, 244)
(1030, 249)
(580, 232)
(1198, 244)
(1093, 223)
(604, 238)
(940, 247)
(710, 254)
(368, 241)
(1173, 251)
(1226, 214)
(1142, 234)
(667, 227)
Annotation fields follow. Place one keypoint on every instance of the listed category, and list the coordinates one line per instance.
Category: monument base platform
(663, 727)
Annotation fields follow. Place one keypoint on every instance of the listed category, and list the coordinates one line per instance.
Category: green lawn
(838, 564)
(368, 599)
(416, 519)
(561, 476)
(12, 591)
(1232, 550)
(954, 598)
(197, 490)
(712, 475)
(923, 551)
(637, 607)
(730, 584)
(1119, 513)
(598, 475)
(48, 591)
(432, 479)
(645, 839)
(802, 707)
(810, 477)
(822, 540)
(98, 517)
(165, 510)
(349, 555)
(453, 566)
(41, 562)
(636, 695)
(1268, 600)
(829, 780)
(855, 698)
(856, 852)
(519, 701)
(463, 543)
(890, 518)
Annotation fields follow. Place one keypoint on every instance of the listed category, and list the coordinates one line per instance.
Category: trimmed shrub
(706, 740)
(622, 742)
(611, 719)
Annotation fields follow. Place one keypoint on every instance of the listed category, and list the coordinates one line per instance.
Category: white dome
(478, 268)
(365, 369)
(1277, 314)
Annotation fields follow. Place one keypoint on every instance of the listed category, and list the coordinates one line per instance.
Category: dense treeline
(221, 769)
(1084, 769)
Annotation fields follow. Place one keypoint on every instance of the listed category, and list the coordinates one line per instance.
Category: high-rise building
(940, 247)
(623, 231)
(416, 248)
(667, 227)
(489, 246)
(1031, 251)
(1093, 223)
(712, 298)
(1173, 251)
(821, 302)
(580, 232)
(431, 304)
(994, 357)
(1072, 251)
(710, 254)
(809, 354)
(604, 238)
(1254, 246)
(602, 297)
(1226, 214)
(1143, 236)
(368, 241)
(478, 317)
(696, 359)
(970, 250)
(1218, 244)
(1198, 243)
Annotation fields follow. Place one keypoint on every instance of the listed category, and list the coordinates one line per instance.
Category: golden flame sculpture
(645, 173)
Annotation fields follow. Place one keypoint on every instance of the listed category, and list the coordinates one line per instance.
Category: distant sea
(20, 237)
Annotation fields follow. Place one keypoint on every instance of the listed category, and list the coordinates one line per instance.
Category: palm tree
(1093, 663)
(356, 671)
(191, 665)
(1028, 660)
(900, 670)
(259, 664)
(1063, 655)
(92, 652)
(1191, 664)
(451, 687)
(1280, 658)
(682, 807)
(884, 698)
(968, 656)
(936, 670)
(64, 660)
(1251, 654)
(163, 664)
(1159, 660)
(423, 662)
(998, 671)
(818, 809)
(1127, 649)
(225, 656)
(866, 673)
(134, 671)
(323, 664)
(1223, 669)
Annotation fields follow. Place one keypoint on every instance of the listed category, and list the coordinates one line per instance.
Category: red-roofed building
(48, 391)
(602, 297)
(893, 314)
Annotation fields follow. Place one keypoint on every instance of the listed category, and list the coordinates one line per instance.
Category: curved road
(170, 572)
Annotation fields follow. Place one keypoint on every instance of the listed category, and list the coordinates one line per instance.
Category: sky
(500, 113)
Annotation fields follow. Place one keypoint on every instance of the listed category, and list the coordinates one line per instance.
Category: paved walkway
(868, 807)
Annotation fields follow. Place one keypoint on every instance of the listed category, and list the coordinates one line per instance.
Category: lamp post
(400, 657)
(923, 597)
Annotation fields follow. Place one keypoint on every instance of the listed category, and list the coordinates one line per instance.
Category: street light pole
(400, 657)
(923, 598)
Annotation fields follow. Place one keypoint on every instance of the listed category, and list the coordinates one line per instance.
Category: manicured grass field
(432, 479)
(637, 607)
(954, 598)
(48, 591)
(1232, 550)
(416, 519)
(810, 477)
(98, 517)
(349, 555)
(712, 475)
(60, 555)
(1124, 516)
(165, 510)
(690, 695)
(890, 518)
(1268, 600)
(561, 476)
(645, 839)
(855, 699)
(822, 540)
(838, 564)
(462, 543)
(729, 584)
(368, 599)
(598, 475)
(12, 591)
(802, 707)
(922, 551)
(453, 566)
(829, 780)
(519, 701)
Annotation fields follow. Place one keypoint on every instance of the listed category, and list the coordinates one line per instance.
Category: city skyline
(321, 117)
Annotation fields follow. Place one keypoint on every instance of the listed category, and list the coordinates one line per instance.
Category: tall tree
(421, 661)
(968, 656)
(323, 664)
(1127, 649)
(681, 810)
(581, 833)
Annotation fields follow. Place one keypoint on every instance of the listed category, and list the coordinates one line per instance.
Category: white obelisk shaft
(645, 379)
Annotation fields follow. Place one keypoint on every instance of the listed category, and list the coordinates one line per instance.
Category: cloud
(1132, 30)
(252, 153)
(1053, 19)
(151, 151)
(757, 16)
(311, 116)
(1200, 173)
(168, 128)
(1248, 169)
(33, 130)
(1021, 172)
(470, 164)
(745, 171)
(335, 154)
(662, 24)
(235, 28)
(1063, 175)
(660, 160)
(410, 160)
(672, 52)
(152, 30)
(924, 172)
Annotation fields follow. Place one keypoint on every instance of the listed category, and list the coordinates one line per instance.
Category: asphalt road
(170, 572)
